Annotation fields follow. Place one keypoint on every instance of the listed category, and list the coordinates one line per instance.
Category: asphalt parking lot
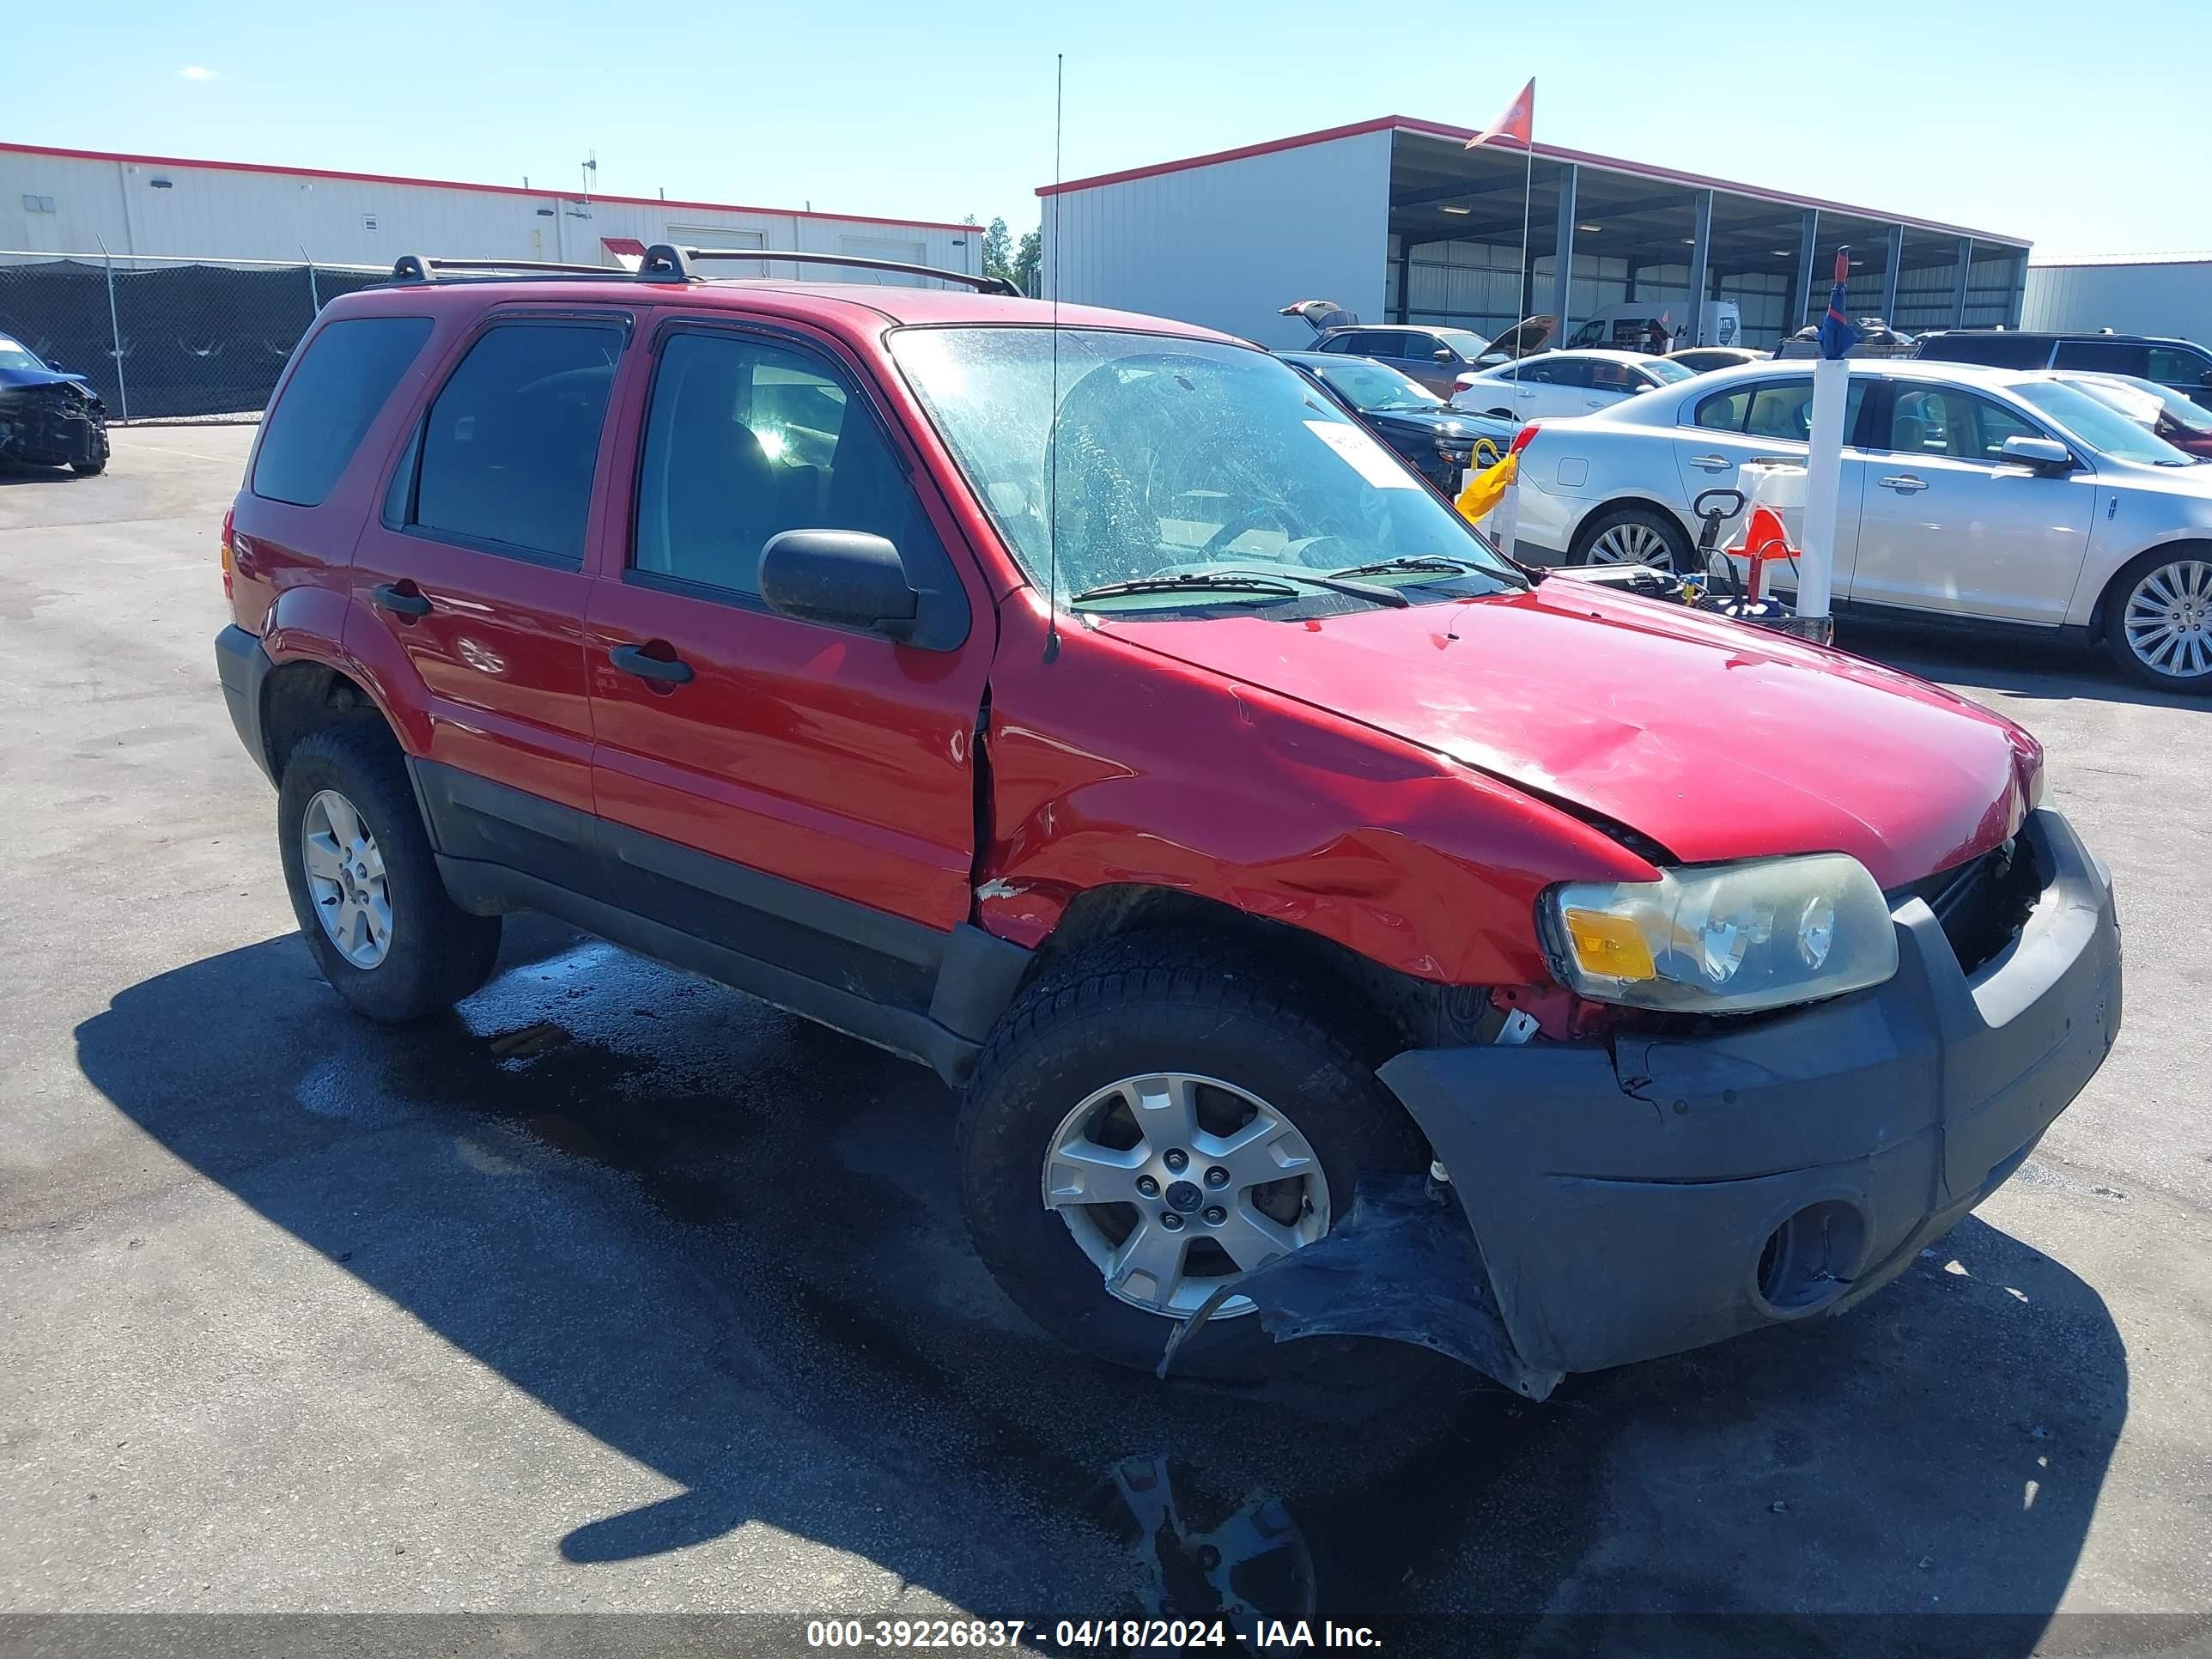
(620, 1291)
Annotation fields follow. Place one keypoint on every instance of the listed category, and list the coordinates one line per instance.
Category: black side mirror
(846, 578)
(2205, 378)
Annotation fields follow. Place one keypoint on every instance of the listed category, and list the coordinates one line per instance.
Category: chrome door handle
(1710, 462)
(1904, 482)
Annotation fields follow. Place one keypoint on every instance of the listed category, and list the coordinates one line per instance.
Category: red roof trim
(449, 184)
(1548, 152)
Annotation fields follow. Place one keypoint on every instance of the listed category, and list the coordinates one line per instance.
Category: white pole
(1823, 478)
(1505, 519)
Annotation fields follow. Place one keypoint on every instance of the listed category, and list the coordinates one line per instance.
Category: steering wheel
(1275, 513)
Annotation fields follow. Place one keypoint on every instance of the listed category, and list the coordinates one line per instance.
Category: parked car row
(1969, 495)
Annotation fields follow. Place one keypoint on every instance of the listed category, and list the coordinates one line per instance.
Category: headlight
(1724, 938)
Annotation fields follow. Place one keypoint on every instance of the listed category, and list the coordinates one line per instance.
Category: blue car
(48, 418)
(1437, 440)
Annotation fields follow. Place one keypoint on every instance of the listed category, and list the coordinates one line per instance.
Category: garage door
(879, 247)
(725, 236)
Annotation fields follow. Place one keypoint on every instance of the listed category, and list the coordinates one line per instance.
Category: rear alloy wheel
(2159, 627)
(345, 872)
(364, 882)
(1635, 535)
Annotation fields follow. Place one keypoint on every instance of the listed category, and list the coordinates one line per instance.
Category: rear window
(334, 394)
(508, 453)
(1994, 349)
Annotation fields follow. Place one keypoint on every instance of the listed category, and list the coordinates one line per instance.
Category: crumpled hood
(29, 377)
(1718, 740)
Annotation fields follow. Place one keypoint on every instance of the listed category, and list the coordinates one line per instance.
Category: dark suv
(2182, 365)
(1308, 901)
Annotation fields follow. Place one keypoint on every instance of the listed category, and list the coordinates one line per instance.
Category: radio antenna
(1052, 426)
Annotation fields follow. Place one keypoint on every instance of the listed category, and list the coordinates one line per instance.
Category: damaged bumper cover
(56, 424)
(1675, 1192)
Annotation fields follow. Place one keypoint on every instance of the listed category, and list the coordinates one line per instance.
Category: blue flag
(1837, 336)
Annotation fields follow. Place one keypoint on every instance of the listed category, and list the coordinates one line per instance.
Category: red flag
(1518, 123)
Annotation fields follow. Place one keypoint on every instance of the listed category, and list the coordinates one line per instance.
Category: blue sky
(2081, 128)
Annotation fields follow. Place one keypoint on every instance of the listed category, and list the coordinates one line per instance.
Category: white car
(1977, 495)
(1562, 383)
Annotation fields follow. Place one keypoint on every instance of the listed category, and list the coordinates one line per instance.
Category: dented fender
(1110, 765)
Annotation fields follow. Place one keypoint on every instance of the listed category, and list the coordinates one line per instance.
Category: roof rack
(663, 263)
(997, 285)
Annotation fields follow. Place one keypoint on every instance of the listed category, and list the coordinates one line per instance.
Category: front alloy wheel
(2166, 622)
(1174, 1184)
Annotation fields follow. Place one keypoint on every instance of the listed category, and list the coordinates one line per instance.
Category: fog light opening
(1809, 1260)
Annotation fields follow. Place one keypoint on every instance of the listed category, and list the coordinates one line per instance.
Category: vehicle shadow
(726, 1244)
(22, 472)
(2006, 666)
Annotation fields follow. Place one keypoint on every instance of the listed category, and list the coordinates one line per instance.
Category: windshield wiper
(1333, 581)
(1192, 580)
(1443, 564)
(1243, 581)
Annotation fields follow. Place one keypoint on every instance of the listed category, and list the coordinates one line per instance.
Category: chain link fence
(165, 338)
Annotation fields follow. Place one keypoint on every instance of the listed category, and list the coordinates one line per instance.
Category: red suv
(1333, 926)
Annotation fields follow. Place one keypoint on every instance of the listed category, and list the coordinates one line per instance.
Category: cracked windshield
(1186, 476)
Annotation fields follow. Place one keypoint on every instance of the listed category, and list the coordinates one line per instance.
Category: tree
(1026, 261)
(998, 251)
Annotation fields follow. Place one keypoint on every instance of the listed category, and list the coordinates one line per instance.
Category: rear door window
(1999, 349)
(505, 461)
(333, 395)
(1779, 410)
(2103, 356)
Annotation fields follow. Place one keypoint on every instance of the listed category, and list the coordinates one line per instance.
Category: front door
(802, 794)
(1947, 525)
(475, 569)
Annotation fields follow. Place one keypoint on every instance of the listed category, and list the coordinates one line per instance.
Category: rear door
(796, 793)
(1767, 419)
(474, 570)
(1948, 526)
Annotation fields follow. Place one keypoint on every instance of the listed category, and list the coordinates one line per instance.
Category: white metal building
(2169, 293)
(71, 201)
(1397, 221)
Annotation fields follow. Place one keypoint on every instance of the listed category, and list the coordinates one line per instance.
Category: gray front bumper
(1622, 1202)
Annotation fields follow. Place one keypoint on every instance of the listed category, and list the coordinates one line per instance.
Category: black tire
(439, 953)
(1157, 1003)
(2116, 609)
(91, 467)
(1676, 539)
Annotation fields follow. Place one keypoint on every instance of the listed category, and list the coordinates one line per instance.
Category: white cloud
(194, 72)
